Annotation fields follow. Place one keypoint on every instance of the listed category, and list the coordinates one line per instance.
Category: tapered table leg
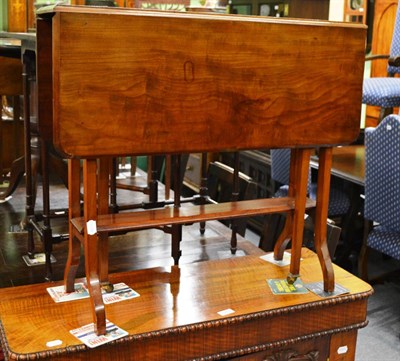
(74, 210)
(91, 244)
(321, 217)
(300, 160)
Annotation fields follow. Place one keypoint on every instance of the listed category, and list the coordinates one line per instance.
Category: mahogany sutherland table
(117, 82)
(176, 316)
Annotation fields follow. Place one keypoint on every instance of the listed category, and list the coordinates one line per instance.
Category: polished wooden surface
(177, 304)
(132, 251)
(172, 215)
(10, 76)
(246, 82)
(348, 163)
(39, 156)
(121, 97)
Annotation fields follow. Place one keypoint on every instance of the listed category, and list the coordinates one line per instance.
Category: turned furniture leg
(91, 248)
(113, 185)
(74, 211)
(152, 180)
(203, 187)
(235, 198)
(302, 157)
(46, 232)
(176, 229)
(321, 218)
(29, 187)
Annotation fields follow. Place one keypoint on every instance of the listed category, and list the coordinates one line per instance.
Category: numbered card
(282, 287)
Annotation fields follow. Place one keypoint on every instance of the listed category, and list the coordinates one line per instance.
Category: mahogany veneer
(171, 215)
(131, 82)
(175, 317)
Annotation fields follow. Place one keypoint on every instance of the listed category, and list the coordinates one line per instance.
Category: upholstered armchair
(384, 92)
(382, 191)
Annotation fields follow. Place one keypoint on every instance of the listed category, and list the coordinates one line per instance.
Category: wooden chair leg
(363, 256)
(321, 217)
(383, 113)
(152, 180)
(133, 165)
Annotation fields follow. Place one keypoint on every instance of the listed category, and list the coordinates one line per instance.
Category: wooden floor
(136, 250)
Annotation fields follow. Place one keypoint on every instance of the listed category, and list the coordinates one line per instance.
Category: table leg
(113, 185)
(235, 198)
(321, 216)
(74, 249)
(300, 161)
(203, 188)
(176, 229)
(46, 231)
(29, 169)
(91, 243)
(286, 234)
(105, 176)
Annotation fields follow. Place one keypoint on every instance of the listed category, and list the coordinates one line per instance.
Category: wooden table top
(348, 163)
(172, 298)
(189, 89)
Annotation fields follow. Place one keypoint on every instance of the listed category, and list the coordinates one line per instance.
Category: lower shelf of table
(176, 316)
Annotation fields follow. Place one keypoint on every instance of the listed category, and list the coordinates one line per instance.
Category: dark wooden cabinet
(307, 9)
(257, 165)
(11, 125)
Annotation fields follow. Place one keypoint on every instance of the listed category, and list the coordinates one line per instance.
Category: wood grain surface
(181, 304)
(148, 82)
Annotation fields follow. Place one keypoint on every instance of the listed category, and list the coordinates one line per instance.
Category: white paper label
(54, 343)
(91, 227)
(228, 311)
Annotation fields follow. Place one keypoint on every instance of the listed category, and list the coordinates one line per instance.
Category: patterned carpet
(380, 340)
